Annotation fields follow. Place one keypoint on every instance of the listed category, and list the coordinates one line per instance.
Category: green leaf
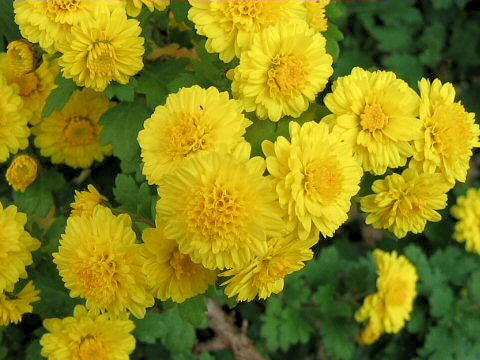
(406, 66)
(8, 28)
(52, 237)
(194, 311)
(180, 336)
(333, 48)
(418, 322)
(122, 92)
(33, 351)
(60, 96)
(150, 328)
(134, 198)
(338, 337)
(441, 302)
(180, 10)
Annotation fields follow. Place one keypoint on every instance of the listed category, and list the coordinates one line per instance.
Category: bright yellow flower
(284, 77)
(377, 113)
(22, 56)
(231, 25)
(22, 172)
(405, 202)
(316, 16)
(33, 87)
(265, 274)
(390, 307)
(16, 246)
(99, 260)
(87, 201)
(220, 208)
(467, 211)
(72, 135)
(134, 7)
(88, 336)
(192, 121)
(315, 176)
(12, 307)
(14, 117)
(103, 48)
(171, 274)
(449, 133)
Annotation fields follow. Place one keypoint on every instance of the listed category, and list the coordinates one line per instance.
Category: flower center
(79, 131)
(101, 59)
(28, 83)
(397, 294)
(324, 178)
(182, 264)
(373, 118)
(242, 9)
(274, 268)
(287, 75)
(56, 6)
(91, 349)
(186, 137)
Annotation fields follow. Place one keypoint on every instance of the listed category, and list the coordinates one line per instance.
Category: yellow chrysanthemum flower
(14, 131)
(16, 247)
(390, 307)
(316, 16)
(22, 172)
(193, 120)
(220, 208)
(134, 7)
(405, 202)
(467, 211)
(265, 274)
(72, 135)
(231, 25)
(48, 22)
(285, 76)
(314, 182)
(86, 201)
(103, 48)
(22, 56)
(171, 274)
(377, 114)
(449, 133)
(33, 87)
(12, 307)
(88, 336)
(99, 260)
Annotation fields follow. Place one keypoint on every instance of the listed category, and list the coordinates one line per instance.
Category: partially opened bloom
(87, 336)
(390, 307)
(284, 77)
(100, 261)
(316, 16)
(86, 201)
(467, 212)
(22, 56)
(72, 135)
(170, 273)
(266, 274)
(378, 116)
(22, 172)
(13, 306)
(230, 25)
(449, 133)
(220, 209)
(134, 7)
(102, 49)
(193, 120)
(315, 176)
(404, 203)
(16, 246)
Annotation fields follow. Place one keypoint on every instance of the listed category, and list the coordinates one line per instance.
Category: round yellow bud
(22, 56)
(22, 172)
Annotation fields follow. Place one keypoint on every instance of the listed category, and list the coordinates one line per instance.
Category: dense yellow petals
(467, 211)
(22, 172)
(22, 56)
(13, 306)
(316, 16)
(134, 7)
(86, 201)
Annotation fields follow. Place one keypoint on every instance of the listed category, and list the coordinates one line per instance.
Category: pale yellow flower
(86, 201)
(467, 212)
(13, 306)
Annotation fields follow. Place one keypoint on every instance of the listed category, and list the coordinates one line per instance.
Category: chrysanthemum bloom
(467, 211)
(86, 201)
(99, 260)
(193, 120)
(449, 133)
(33, 87)
(12, 307)
(405, 202)
(231, 25)
(265, 274)
(134, 7)
(14, 117)
(72, 135)
(285, 76)
(88, 336)
(22, 172)
(103, 48)
(390, 307)
(16, 247)
(171, 274)
(377, 114)
(220, 208)
(315, 175)
(316, 16)
(22, 56)
(48, 22)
